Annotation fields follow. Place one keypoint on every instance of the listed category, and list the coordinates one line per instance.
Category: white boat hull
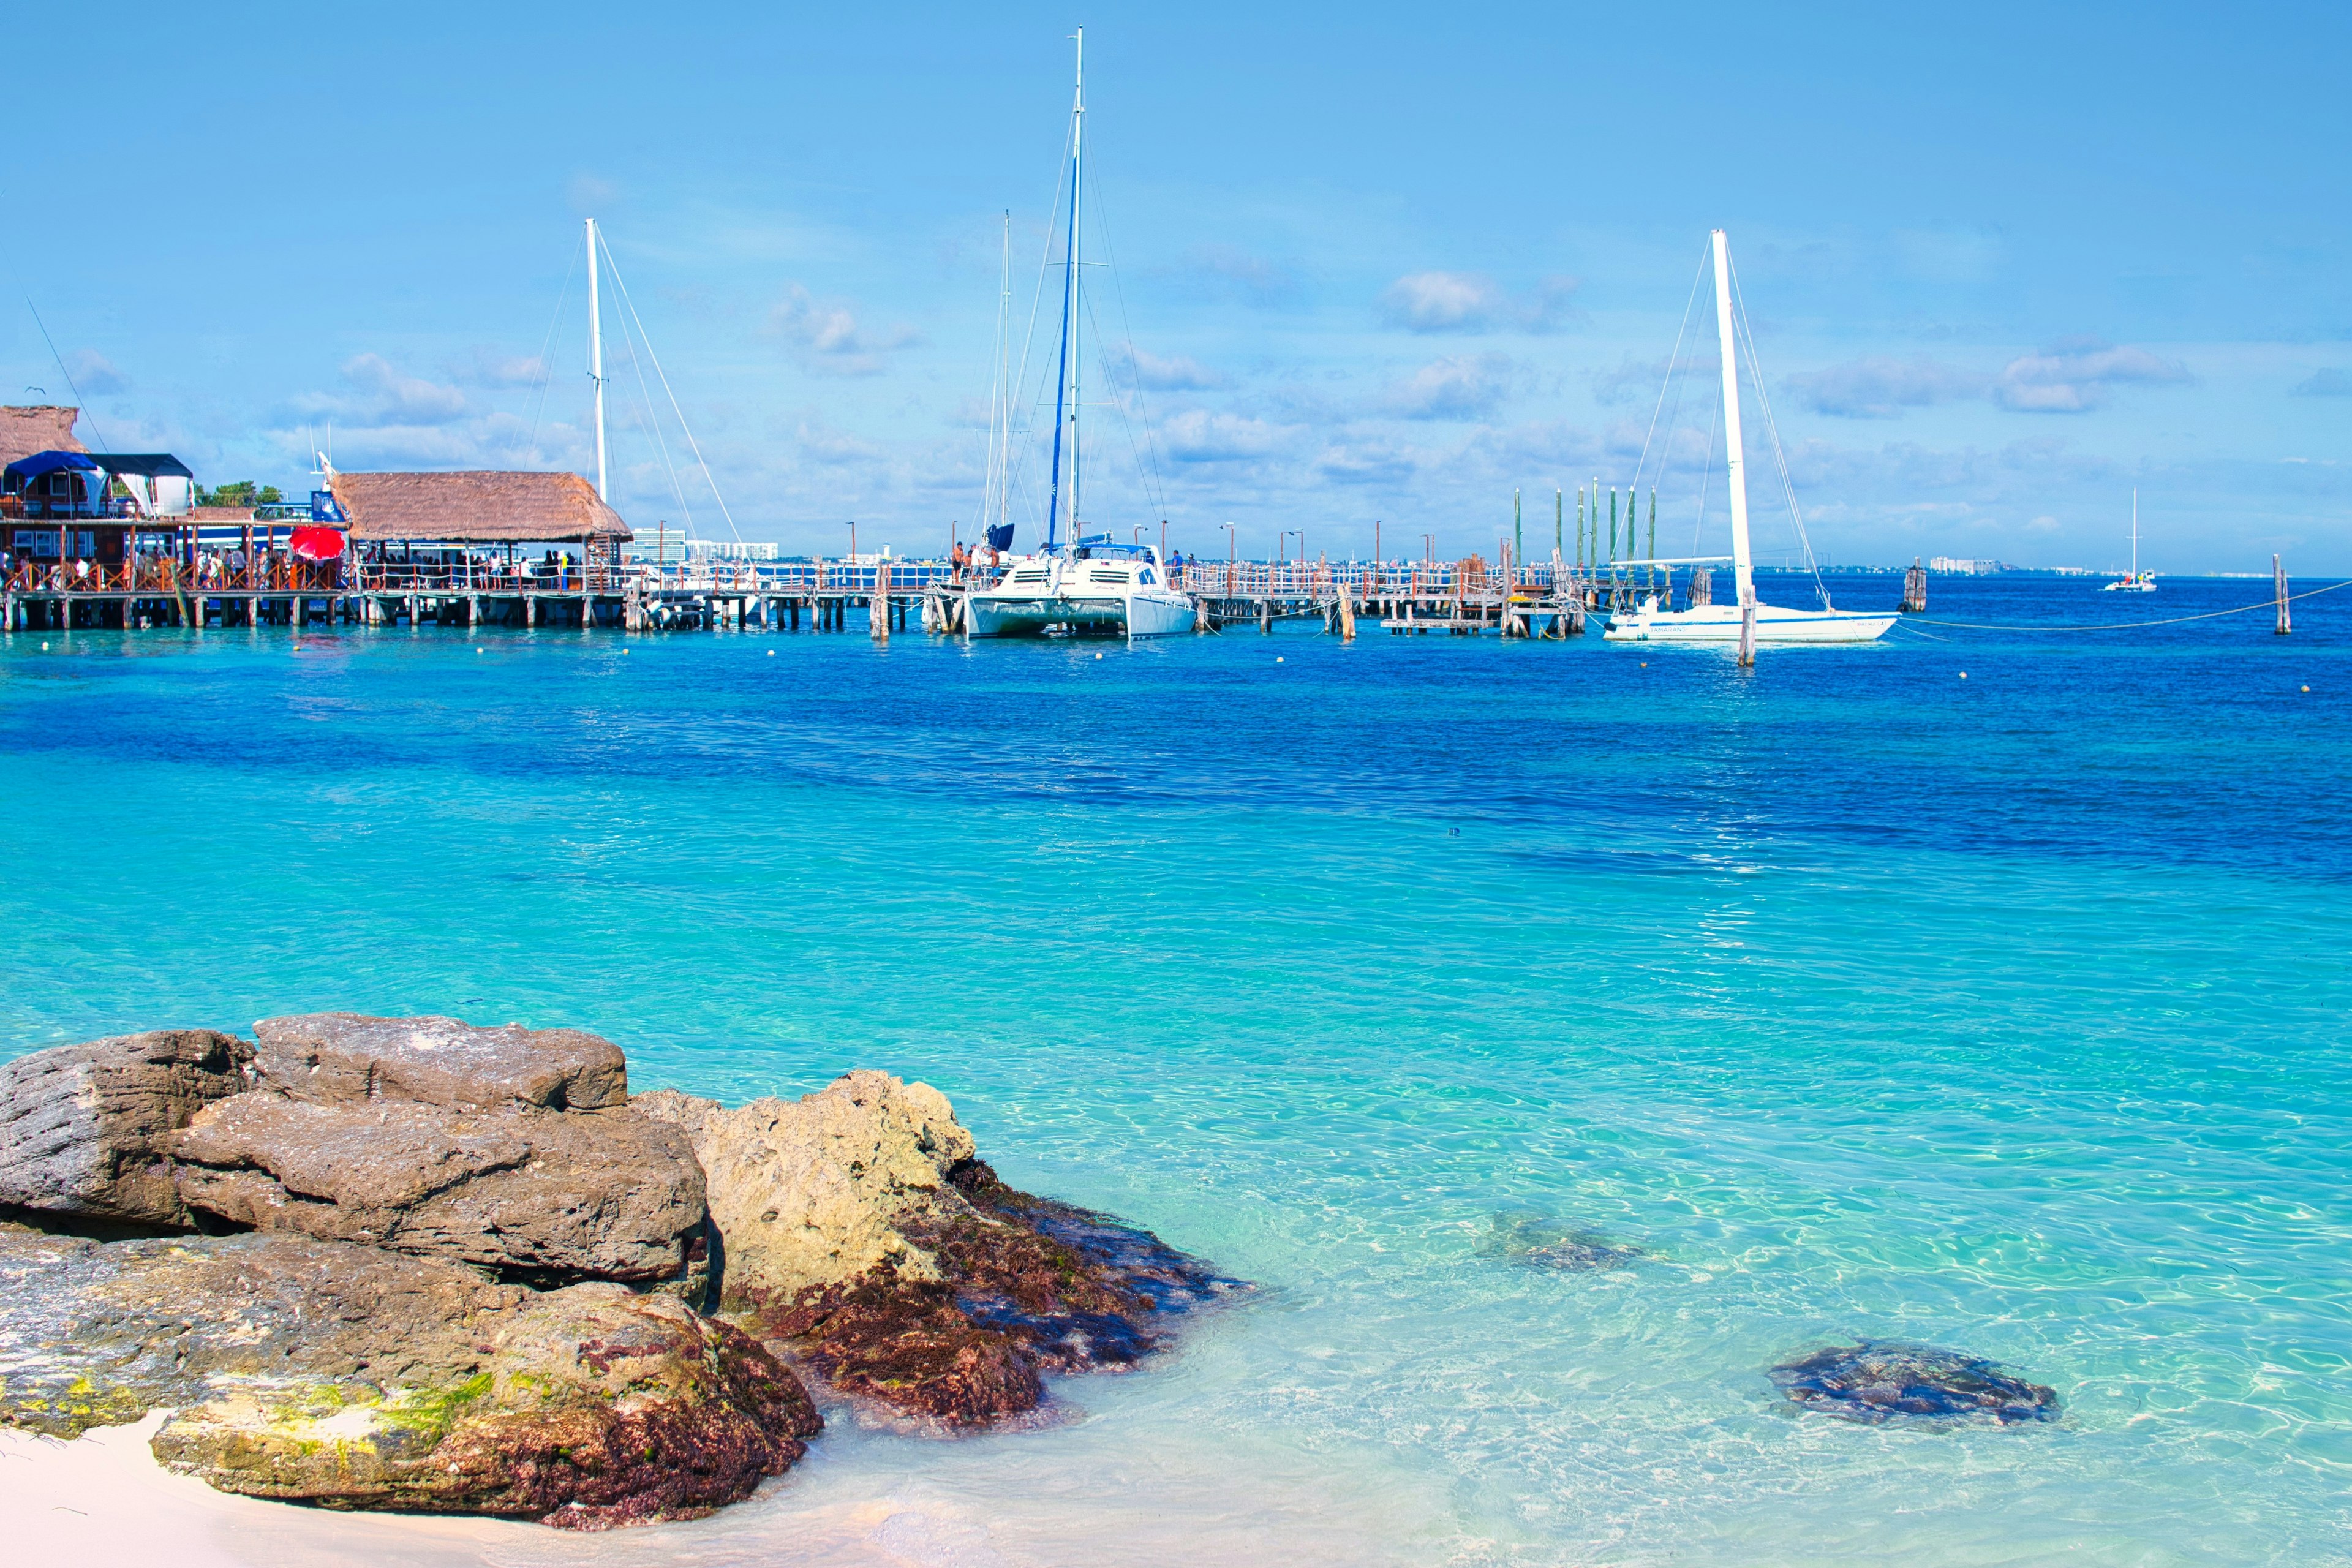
(1720, 624)
(1131, 616)
(1043, 596)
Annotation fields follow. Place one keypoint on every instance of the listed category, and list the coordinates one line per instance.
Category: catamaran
(2133, 581)
(1078, 584)
(1746, 622)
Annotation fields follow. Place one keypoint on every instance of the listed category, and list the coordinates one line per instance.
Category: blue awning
(41, 463)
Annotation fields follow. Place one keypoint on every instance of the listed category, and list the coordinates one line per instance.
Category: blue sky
(2002, 264)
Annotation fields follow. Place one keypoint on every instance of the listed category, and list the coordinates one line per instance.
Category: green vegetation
(240, 492)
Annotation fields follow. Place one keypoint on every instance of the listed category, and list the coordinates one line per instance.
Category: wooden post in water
(878, 608)
(2278, 583)
(1747, 634)
(1915, 588)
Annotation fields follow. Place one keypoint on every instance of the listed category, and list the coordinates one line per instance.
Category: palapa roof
(221, 513)
(475, 506)
(46, 427)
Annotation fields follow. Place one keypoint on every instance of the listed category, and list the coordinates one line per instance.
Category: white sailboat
(2133, 581)
(1745, 622)
(1078, 584)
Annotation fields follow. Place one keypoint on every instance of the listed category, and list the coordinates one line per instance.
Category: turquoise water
(2005, 1013)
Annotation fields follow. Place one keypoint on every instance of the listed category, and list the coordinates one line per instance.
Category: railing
(170, 576)
(1472, 579)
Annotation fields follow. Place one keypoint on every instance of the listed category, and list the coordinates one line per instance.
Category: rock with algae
(353, 1378)
(1539, 1241)
(862, 1236)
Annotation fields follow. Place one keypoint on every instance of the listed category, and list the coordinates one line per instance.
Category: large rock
(822, 1191)
(549, 1194)
(353, 1378)
(862, 1237)
(335, 1058)
(85, 1129)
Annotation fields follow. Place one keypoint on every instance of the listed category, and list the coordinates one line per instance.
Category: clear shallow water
(2005, 1014)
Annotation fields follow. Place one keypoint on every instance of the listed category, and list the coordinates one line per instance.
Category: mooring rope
(2270, 604)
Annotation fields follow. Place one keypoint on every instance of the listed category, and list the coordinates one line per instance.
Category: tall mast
(1065, 411)
(2135, 571)
(596, 356)
(1742, 573)
(1077, 278)
(1001, 416)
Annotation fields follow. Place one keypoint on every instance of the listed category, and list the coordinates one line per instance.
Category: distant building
(1953, 565)
(741, 549)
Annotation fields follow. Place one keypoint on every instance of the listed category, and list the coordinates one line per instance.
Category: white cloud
(95, 374)
(1463, 388)
(377, 395)
(1197, 435)
(2075, 377)
(1366, 463)
(1474, 302)
(1881, 387)
(1178, 374)
(487, 367)
(829, 338)
(2324, 383)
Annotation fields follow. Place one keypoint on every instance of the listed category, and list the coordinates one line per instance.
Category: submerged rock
(1880, 1381)
(84, 1128)
(860, 1233)
(1537, 1241)
(351, 1377)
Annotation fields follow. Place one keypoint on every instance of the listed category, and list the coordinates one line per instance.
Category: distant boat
(1652, 621)
(2133, 582)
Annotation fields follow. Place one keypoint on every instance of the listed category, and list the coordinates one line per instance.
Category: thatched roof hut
(45, 427)
(476, 507)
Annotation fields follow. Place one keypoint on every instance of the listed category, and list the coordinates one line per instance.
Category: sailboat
(1746, 622)
(2133, 582)
(1078, 584)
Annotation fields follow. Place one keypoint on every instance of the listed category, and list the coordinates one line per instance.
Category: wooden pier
(1463, 598)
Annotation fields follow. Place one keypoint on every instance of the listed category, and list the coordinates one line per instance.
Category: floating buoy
(1646, 663)
(2306, 688)
(1277, 657)
(477, 650)
(45, 647)
(772, 653)
(1964, 675)
(1097, 658)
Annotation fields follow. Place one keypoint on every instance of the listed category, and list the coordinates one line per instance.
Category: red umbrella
(316, 543)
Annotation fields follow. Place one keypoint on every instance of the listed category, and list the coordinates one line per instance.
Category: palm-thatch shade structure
(476, 507)
(45, 427)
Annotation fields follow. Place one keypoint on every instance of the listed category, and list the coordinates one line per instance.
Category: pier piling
(2278, 584)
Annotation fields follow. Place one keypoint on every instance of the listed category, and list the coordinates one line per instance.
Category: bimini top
(40, 463)
(474, 506)
(146, 465)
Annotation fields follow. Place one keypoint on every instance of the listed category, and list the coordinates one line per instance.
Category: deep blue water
(2004, 1012)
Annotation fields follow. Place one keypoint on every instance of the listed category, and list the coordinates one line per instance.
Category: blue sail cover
(1000, 537)
(40, 463)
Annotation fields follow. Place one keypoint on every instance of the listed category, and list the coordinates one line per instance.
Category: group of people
(965, 559)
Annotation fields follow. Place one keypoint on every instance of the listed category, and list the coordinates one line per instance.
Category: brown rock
(606, 1194)
(347, 1058)
(83, 1127)
(351, 1377)
(859, 1231)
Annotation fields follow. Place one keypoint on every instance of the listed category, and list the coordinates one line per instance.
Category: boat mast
(1066, 390)
(2135, 571)
(1741, 567)
(1000, 416)
(596, 356)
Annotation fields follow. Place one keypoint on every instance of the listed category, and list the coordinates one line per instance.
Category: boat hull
(1143, 615)
(1720, 624)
